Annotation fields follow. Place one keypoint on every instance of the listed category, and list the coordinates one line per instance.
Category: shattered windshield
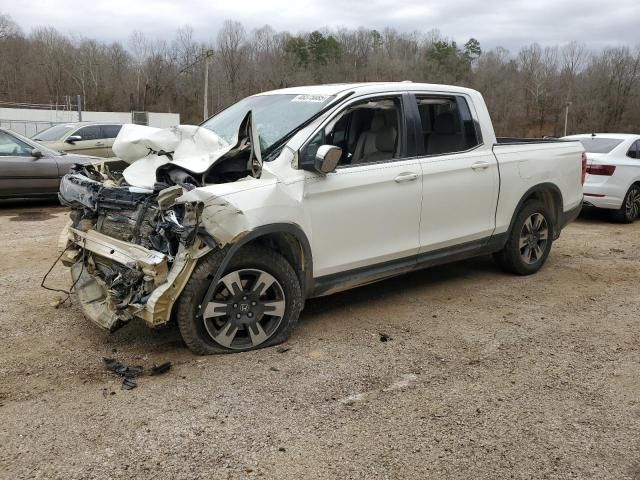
(275, 115)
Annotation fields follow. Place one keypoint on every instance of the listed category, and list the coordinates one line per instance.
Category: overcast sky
(510, 24)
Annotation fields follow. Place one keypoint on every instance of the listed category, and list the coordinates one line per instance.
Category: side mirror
(327, 158)
(36, 153)
(73, 138)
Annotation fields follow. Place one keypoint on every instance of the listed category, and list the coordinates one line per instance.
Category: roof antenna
(593, 134)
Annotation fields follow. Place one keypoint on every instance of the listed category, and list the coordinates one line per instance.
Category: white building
(28, 121)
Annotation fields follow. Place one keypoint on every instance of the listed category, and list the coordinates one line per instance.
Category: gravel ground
(482, 375)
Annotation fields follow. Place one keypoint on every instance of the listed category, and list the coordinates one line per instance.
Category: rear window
(599, 144)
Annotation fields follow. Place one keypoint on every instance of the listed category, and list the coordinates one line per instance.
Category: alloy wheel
(632, 205)
(245, 310)
(533, 238)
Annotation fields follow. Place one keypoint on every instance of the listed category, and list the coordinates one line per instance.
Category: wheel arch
(549, 194)
(287, 239)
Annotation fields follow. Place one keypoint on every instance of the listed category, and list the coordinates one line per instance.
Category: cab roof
(367, 87)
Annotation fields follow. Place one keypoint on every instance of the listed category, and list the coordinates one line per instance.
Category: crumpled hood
(193, 148)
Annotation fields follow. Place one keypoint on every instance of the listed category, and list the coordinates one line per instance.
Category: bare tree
(526, 92)
(231, 49)
(8, 28)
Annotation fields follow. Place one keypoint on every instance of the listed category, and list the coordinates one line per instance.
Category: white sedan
(613, 173)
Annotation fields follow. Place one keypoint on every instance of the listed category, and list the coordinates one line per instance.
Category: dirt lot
(483, 375)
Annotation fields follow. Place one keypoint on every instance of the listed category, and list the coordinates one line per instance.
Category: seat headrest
(377, 121)
(386, 139)
(445, 124)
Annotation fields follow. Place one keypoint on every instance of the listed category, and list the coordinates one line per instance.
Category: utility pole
(566, 116)
(208, 54)
(79, 100)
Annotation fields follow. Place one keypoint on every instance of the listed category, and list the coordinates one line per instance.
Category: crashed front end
(135, 237)
(130, 251)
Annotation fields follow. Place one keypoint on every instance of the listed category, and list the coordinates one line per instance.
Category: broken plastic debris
(122, 370)
(130, 373)
(128, 384)
(160, 369)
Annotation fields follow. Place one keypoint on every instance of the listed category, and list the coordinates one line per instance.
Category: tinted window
(599, 144)
(367, 132)
(110, 131)
(90, 133)
(447, 125)
(53, 133)
(12, 147)
(634, 151)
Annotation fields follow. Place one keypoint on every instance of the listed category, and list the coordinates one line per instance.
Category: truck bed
(516, 140)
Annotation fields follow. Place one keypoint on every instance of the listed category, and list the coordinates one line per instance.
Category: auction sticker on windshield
(310, 98)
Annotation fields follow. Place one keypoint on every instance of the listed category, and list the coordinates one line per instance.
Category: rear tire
(630, 208)
(255, 304)
(529, 242)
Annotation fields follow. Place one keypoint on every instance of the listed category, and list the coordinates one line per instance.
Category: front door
(366, 213)
(23, 174)
(90, 143)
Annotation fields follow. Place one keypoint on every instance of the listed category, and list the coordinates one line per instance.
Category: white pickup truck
(350, 184)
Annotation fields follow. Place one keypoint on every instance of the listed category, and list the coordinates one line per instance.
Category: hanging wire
(59, 290)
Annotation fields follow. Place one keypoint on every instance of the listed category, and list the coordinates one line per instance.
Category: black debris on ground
(160, 369)
(129, 373)
(384, 337)
(121, 369)
(128, 383)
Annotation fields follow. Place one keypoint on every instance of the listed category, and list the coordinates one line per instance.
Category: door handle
(406, 177)
(480, 165)
(99, 144)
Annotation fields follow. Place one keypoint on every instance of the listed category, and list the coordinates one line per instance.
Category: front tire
(529, 242)
(255, 304)
(630, 208)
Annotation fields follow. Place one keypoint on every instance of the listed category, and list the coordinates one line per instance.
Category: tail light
(606, 170)
(584, 168)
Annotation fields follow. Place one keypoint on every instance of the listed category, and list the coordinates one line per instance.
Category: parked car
(303, 192)
(28, 169)
(86, 138)
(613, 173)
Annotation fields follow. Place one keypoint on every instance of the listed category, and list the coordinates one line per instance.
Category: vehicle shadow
(30, 209)
(407, 284)
(594, 216)
(137, 336)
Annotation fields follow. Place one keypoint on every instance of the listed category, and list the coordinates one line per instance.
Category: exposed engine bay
(130, 246)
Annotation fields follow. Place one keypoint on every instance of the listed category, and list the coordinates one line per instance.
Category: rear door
(23, 174)
(460, 178)
(91, 142)
(109, 134)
